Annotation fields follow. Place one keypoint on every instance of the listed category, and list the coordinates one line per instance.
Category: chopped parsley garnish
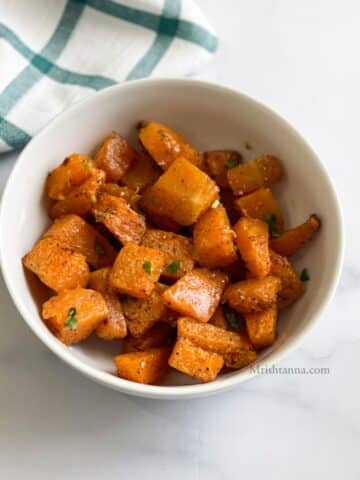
(147, 266)
(232, 320)
(93, 198)
(215, 203)
(99, 248)
(71, 320)
(173, 267)
(232, 162)
(304, 275)
(88, 165)
(270, 219)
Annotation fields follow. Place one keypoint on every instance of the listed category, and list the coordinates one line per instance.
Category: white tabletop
(302, 59)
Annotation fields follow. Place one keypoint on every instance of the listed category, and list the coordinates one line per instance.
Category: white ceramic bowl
(211, 117)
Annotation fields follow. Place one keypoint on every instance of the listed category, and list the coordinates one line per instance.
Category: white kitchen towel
(55, 52)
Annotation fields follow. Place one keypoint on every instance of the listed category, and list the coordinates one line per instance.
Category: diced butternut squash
(142, 314)
(136, 270)
(292, 288)
(195, 361)
(153, 217)
(218, 162)
(260, 204)
(290, 241)
(74, 170)
(143, 367)
(81, 198)
(252, 238)
(261, 327)
(253, 295)
(219, 320)
(240, 359)
(182, 193)
(129, 195)
(59, 268)
(197, 294)
(114, 326)
(73, 315)
(74, 233)
(214, 239)
(115, 157)
(257, 173)
(143, 173)
(165, 145)
(160, 335)
(177, 251)
(123, 222)
(211, 338)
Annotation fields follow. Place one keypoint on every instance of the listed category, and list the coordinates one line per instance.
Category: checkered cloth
(55, 52)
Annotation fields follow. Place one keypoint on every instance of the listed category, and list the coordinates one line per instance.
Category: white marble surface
(302, 59)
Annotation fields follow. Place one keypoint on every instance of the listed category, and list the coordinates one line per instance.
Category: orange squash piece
(253, 295)
(292, 288)
(195, 361)
(252, 238)
(165, 145)
(74, 170)
(197, 294)
(74, 233)
(143, 173)
(143, 367)
(259, 204)
(160, 335)
(59, 268)
(292, 240)
(261, 327)
(123, 222)
(136, 270)
(73, 315)
(177, 251)
(217, 163)
(115, 157)
(130, 196)
(153, 217)
(240, 359)
(182, 193)
(257, 173)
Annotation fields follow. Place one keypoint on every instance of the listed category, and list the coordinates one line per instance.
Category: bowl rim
(181, 391)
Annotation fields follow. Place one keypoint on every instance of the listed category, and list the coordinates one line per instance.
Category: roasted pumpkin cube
(214, 239)
(260, 204)
(252, 238)
(143, 367)
(292, 288)
(130, 196)
(195, 361)
(143, 313)
(217, 163)
(211, 338)
(182, 193)
(240, 359)
(219, 320)
(59, 268)
(165, 145)
(261, 327)
(115, 157)
(74, 233)
(290, 241)
(136, 270)
(99, 279)
(160, 335)
(197, 294)
(74, 170)
(257, 173)
(177, 251)
(80, 200)
(73, 315)
(143, 173)
(123, 222)
(153, 217)
(253, 295)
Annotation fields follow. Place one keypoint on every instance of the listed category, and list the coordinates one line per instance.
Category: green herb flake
(304, 275)
(270, 219)
(99, 247)
(71, 320)
(232, 162)
(147, 266)
(215, 203)
(88, 165)
(173, 267)
(232, 320)
(93, 198)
